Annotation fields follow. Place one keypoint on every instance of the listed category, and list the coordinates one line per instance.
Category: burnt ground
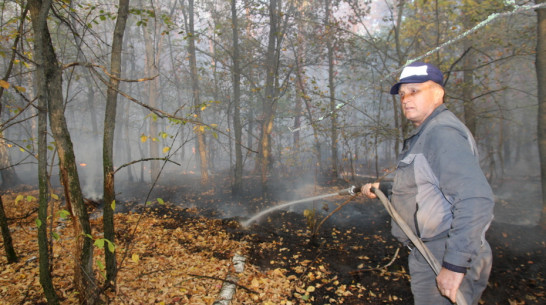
(353, 249)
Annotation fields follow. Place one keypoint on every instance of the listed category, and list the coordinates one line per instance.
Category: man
(440, 192)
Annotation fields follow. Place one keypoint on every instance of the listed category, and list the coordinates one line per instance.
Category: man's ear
(439, 94)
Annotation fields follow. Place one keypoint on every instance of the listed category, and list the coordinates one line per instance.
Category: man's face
(419, 100)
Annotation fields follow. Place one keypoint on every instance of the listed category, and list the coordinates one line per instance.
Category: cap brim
(395, 88)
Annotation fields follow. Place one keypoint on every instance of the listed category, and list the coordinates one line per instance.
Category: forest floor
(178, 252)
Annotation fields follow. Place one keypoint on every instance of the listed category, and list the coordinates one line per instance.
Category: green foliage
(159, 201)
(99, 243)
(63, 214)
(28, 198)
(101, 268)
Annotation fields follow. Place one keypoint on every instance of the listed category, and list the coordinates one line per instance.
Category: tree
(238, 129)
(541, 79)
(6, 236)
(270, 93)
(49, 80)
(39, 13)
(9, 177)
(152, 68)
(330, 48)
(108, 140)
(199, 130)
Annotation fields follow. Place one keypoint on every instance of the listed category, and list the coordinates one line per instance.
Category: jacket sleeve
(462, 182)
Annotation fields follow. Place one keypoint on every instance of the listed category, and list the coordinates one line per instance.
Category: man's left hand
(448, 283)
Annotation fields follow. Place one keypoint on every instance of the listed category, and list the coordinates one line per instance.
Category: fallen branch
(224, 280)
(379, 268)
(227, 292)
(315, 232)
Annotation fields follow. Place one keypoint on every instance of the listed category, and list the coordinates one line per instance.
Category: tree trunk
(468, 75)
(49, 79)
(39, 12)
(108, 140)
(332, 86)
(238, 129)
(541, 79)
(300, 89)
(399, 120)
(6, 236)
(43, 248)
(199, 130)
(9, 177)
(270, 98)
(152, 70)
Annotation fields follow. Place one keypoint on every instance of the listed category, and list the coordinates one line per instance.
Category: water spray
(351, 191)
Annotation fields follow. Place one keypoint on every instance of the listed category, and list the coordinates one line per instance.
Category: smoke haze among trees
(369, 44)
(265, 88)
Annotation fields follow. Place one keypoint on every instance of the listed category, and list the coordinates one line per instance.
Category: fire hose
(429, 257)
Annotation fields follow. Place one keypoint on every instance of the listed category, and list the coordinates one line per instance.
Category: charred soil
(352, 257)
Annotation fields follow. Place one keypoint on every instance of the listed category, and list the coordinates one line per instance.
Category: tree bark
(108, 140)
(9, 177)
(49, 79)
(468, 75)
(199, 130)
(6, 236)
(330, 37)
(152, 69)
(399, 120)
(238, 129)
(39, 12)
(270, 98)
(541, 85)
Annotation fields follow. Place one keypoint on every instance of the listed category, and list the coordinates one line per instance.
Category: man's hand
(448, 283)
(367, 189)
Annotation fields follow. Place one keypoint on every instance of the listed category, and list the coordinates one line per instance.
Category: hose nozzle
(353, 190)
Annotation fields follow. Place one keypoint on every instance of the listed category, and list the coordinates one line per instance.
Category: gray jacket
(440, 190)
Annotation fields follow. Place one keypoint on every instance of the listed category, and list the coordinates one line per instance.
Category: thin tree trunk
(270, 99)
(49, 78)
(331, 84)
(152, 69)
(43, 248)
(468, 76)
(399, 120)
(9, 177)
(108, 140)
(238, 129)
(199, 130)
(39, 12)
(6, 236)
(300, 83)
(541, 79)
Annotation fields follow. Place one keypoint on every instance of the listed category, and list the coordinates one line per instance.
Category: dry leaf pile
(165, 261)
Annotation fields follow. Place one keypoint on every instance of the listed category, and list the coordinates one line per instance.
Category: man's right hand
(367, 189)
